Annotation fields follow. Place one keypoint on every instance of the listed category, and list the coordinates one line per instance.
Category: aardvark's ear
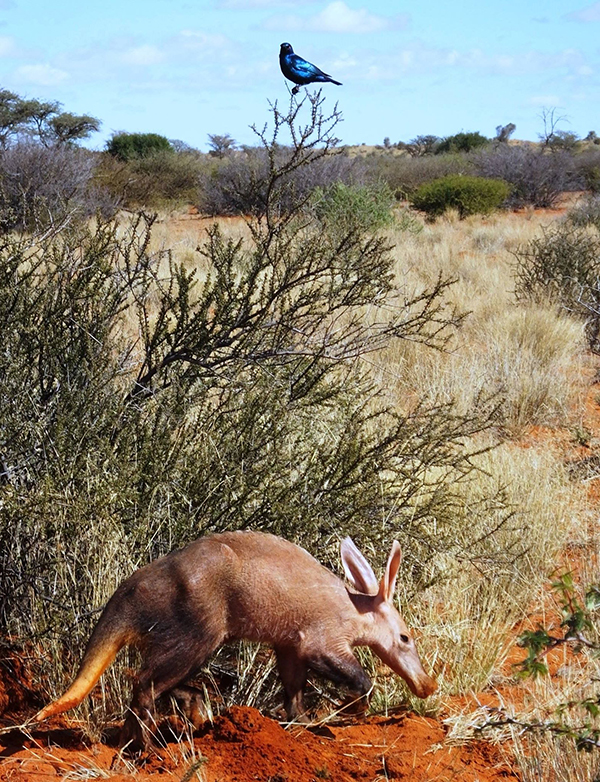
(358, 571)
(387, 586)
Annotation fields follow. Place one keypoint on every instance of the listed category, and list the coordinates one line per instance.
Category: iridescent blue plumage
(300, 71)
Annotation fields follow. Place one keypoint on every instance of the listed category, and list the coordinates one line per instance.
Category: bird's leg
(296, 89)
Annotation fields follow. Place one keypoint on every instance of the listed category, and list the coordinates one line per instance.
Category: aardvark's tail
(102, 649)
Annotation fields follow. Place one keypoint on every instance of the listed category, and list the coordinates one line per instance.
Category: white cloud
(589, 14)
(7, 46)
(253, 4)
(544, 100)
(337, 17)
(390, 64)
(190, 60)
(143, 55)
(200, 41)
(42, 75)
(209, 51)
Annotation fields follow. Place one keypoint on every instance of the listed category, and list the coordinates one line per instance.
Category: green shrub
(129, 146)
(587, 164)
(461, 142)
(468, 194)
(404, 174)
(366, 208)
(592, 179)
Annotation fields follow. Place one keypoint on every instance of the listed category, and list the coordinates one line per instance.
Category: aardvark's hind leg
(163, 670)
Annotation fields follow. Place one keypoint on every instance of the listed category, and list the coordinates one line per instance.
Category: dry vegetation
(480, 543)
(529, 362)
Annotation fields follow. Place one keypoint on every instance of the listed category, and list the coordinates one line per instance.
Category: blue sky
(186, 69)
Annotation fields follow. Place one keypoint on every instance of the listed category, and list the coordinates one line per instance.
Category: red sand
(242, 745)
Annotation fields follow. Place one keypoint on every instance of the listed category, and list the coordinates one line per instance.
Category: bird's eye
(404, 639)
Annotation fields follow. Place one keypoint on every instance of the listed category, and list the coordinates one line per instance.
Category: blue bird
(300, 71)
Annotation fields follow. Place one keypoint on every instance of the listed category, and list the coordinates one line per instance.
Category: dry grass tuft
(529, 359)
(465, 621)
(543, 758)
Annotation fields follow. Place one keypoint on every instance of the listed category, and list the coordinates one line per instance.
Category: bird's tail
(333, 81)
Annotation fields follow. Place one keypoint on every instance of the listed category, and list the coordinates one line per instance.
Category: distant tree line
(46, 175)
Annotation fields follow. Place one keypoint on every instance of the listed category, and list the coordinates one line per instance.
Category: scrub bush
(563, 266)
(129, 146)
(469, 195)
(537, 178)
(365, 208)
(144, 404)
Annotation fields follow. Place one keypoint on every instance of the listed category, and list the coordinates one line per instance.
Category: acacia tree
(423, 145)
(221, 145)
(41, 120)
(554, 138)
(66, 127)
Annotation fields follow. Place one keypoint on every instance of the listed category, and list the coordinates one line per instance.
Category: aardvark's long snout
(407, 664)
(421, 686)
(411, 669)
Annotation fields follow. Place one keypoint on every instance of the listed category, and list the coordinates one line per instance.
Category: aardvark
(248, 585)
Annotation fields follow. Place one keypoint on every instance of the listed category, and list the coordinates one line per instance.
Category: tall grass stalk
(465, 619)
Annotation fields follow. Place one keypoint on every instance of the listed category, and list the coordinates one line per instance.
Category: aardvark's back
(271, 587)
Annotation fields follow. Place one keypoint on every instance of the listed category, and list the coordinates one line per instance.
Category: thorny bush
(144, 405)
(41, 187)
(537, 178)
(563, 266)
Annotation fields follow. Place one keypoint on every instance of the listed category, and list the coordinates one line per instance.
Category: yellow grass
(529, 361)
(528, 357)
